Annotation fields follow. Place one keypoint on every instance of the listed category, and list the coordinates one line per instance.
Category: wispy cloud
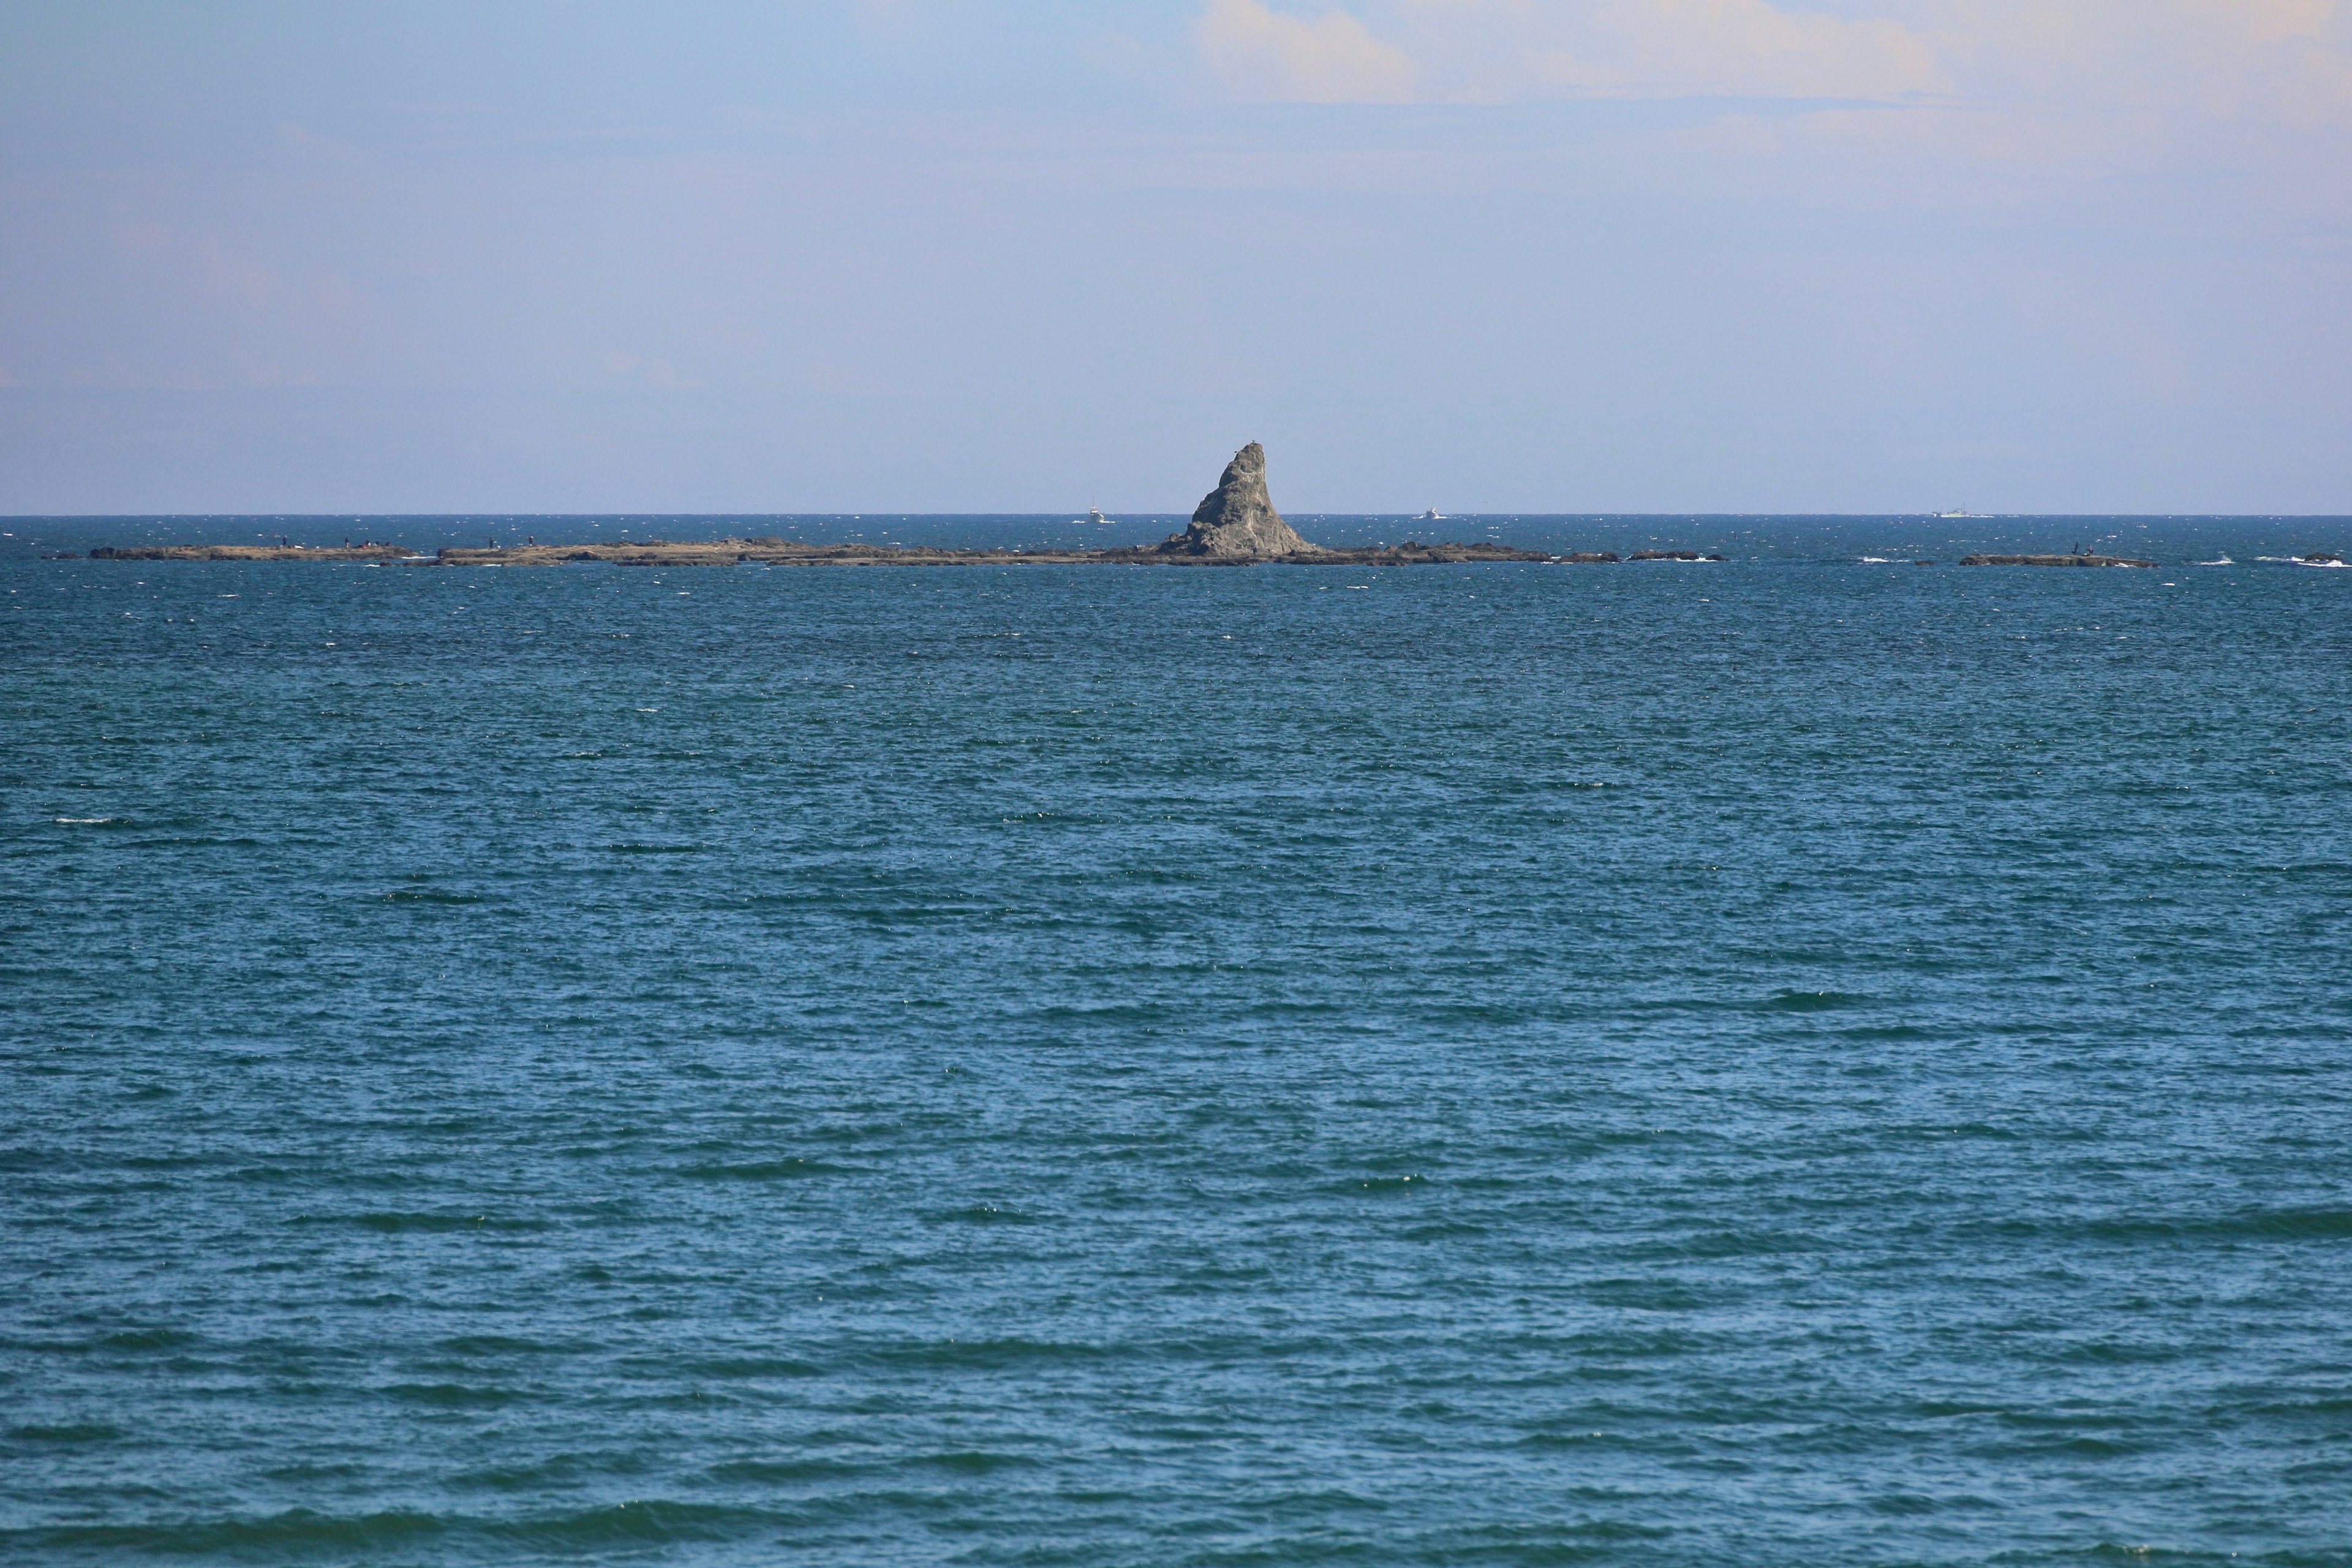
(1265, 55)
(2284, 60)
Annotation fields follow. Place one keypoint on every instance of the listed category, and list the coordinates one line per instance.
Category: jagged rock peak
(1237, 517)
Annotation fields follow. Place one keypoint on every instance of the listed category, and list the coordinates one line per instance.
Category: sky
(1504, 255)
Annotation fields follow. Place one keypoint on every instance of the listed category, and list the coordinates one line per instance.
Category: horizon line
(1143, 515)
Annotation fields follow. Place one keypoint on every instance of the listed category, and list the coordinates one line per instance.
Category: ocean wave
(1814, 1001)
(794, 1168)
(305, 1534)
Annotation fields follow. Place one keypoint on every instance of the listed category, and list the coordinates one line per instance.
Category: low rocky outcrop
(766, 551)
(249, 553)
(1237, 520)
(1414, 552)
(2078, 559)
(772, 551)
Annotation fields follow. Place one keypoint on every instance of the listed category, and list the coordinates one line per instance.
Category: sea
(1804, 1060)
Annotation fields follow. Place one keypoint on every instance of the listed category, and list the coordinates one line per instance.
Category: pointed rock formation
(1237, 520)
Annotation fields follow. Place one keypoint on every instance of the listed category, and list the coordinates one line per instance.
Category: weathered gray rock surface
(1237, 520)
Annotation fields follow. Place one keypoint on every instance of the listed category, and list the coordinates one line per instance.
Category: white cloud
(2287, 61)
(1522, 48)
(1332, 58)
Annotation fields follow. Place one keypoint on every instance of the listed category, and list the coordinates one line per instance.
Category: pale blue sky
(1491, 254)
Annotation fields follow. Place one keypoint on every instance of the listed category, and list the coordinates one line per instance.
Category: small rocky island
(1237, 520)
(1234, 525)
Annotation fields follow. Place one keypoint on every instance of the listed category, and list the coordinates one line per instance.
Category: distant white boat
(1432, 515)
(1962, 511)
(1094, 514)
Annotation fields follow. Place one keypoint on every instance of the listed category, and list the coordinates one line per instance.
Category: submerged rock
(1237, 520)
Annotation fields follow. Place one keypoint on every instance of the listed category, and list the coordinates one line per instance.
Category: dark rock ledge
(2080, 558)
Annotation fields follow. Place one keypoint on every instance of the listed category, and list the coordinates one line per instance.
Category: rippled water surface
(1766, 1063)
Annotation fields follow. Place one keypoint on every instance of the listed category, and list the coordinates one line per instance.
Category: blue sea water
(1787, 1061)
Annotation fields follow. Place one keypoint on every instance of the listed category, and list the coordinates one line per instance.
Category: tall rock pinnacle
(1237, 517)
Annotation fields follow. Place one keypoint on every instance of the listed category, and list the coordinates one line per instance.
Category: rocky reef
(377, 552)
(1234, 525)
(2080, 558)
(1412, 552)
